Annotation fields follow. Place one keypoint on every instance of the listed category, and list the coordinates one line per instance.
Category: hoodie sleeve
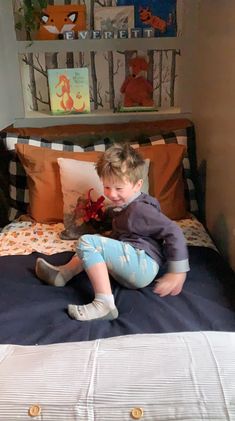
(148, 220)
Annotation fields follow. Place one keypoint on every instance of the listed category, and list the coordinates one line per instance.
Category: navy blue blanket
(34, 313)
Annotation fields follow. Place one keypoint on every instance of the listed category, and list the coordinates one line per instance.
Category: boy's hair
(121, 161)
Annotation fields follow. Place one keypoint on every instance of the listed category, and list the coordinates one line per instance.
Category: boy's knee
(84, 245)
(87, 249)
(88, 240)
(84, 240)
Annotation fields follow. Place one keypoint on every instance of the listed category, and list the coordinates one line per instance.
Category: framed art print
(69, 90)
(114, 18)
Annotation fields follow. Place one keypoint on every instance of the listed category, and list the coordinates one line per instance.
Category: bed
(162, 359)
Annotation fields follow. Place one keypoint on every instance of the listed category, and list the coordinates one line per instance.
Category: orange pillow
(166, 181)
(45, 194)
(43, 177)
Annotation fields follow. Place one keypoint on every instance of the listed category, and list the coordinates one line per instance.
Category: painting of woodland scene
(108, 70)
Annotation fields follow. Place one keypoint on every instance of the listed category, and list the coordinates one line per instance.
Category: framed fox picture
(55, 20)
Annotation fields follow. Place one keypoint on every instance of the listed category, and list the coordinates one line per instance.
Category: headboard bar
(76, 129)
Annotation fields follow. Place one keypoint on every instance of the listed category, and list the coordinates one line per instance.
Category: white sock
(106, 298)
(103, 307)
(56, 275)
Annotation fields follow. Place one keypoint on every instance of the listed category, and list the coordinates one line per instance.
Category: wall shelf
(40, 119)
(99, 45)
(13, 49)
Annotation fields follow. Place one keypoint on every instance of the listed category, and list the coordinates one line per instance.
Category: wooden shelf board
(24, 47)
(45, 119)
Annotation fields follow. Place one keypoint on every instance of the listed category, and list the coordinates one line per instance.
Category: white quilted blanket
(154, 377)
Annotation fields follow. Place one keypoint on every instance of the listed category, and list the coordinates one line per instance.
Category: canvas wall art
(114, 18)
(157, 14)
(57, 19)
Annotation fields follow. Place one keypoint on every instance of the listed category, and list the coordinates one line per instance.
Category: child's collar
(132, 199)
(119, 208)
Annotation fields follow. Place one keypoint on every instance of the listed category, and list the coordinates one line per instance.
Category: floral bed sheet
(26, 237)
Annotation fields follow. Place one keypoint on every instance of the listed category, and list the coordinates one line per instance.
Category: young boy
(142, 238)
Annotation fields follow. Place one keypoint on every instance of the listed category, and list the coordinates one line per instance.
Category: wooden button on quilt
(137, 413)
(34, 410)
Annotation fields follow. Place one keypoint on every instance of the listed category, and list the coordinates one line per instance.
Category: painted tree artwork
(107, 70)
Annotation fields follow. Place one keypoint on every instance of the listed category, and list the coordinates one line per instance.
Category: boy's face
(120, 192)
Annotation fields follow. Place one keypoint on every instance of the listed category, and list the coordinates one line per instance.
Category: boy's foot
(93, 311)
(49, 273)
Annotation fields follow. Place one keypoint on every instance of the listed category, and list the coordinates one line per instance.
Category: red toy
(88, 209)
(137, 90)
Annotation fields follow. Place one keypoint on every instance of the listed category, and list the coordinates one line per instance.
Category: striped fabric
(158, 377)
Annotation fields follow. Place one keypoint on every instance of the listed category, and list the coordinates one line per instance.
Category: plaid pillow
(181, 136)
(18, 190)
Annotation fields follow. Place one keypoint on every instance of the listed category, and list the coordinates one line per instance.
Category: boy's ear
(139, 183)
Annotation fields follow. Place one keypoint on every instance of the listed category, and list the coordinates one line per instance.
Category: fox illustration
(155, 22)
(67, 102)
(57, 19)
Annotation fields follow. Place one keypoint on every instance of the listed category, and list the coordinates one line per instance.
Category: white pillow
(77, 177)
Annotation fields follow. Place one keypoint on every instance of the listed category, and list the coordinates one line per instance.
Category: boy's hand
(170, 283)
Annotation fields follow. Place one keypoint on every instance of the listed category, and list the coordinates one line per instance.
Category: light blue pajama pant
(131, 267)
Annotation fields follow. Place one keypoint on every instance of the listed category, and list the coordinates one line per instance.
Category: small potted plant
(28, 16)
